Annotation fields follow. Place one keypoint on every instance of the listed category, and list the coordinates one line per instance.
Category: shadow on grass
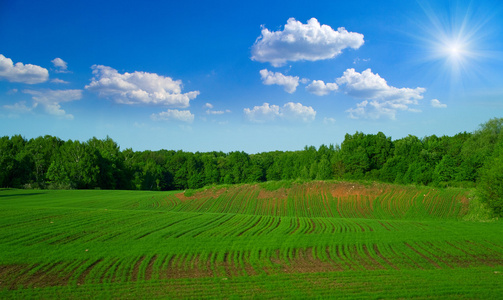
(20, 194)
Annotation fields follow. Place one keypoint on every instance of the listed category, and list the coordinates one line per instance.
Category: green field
(271, 240)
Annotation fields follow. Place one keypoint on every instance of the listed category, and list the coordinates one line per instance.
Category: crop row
(333, 258)
(324, 200)
(53, 239)
(475, 283)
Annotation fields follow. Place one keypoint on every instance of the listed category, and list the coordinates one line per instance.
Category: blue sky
(249, 76)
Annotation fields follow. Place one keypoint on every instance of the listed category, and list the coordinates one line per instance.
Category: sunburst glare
(457, 39)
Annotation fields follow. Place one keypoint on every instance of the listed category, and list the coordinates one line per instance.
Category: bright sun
(455, 51)
(455, 39)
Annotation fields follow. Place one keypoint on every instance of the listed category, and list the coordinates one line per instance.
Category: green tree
(490, 187)
(479, 147)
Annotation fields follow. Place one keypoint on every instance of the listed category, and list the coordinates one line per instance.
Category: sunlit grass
(336, 238)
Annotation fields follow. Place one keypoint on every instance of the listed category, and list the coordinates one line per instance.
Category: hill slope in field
(327, 199)
(275, 239)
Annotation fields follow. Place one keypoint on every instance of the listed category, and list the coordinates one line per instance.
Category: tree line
(465, 159)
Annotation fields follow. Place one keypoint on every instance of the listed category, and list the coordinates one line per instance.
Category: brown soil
(136, 269)
(15, 276)
(424, 256)
(82, 277)
(336, 189)
(150, 268)
(376, 250)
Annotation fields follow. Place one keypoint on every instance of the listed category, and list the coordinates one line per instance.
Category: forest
(463, 160)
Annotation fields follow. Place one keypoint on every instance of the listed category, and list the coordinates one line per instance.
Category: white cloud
(57, 80)
(296, 111)
(289, 83)
(61, 65)
(380, 98)
(436, 103)
(217, 112)
(20, 107)
(298, 41)
(318, 87)
(174, 114)
(50, 100)
(139, 88)
(210, 110)
(372, 86)
(263, 113)
(328, 121)
(357, 60)
(290, 111)
(19, 72)
(372, 110)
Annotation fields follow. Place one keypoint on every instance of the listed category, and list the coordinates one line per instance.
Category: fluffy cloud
(19, 72)
(373, 110)
(380, 98)
(50, 100)
(298, 41)
(139, 88)
(289, 83)
(296, 111)
(436, 103)
(263, 113)
(318, 87)
(174, 114)
(372, 86)
(61, 65)
(290, 111)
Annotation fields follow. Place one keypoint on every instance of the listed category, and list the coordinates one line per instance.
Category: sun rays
(458, 39)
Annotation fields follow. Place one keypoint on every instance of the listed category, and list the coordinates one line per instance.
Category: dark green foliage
(490, 187)
(461, 160)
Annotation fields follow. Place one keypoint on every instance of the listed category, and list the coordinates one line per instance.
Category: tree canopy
(465, 159)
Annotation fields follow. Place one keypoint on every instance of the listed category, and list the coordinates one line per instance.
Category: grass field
(272, 240)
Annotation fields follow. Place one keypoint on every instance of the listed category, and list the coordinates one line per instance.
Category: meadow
(325, 239)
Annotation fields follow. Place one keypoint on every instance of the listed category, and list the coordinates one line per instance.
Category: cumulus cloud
(174, 114)
(311, 41)
(289, 83)
(296, 111)
(380, 98)
(372, 110)
(19, 72)
(263, 113)
(51, 100)
(436, 103)
(290, 111)
(139, 88)
(61, 65)
(318, 87)
(372, 86)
